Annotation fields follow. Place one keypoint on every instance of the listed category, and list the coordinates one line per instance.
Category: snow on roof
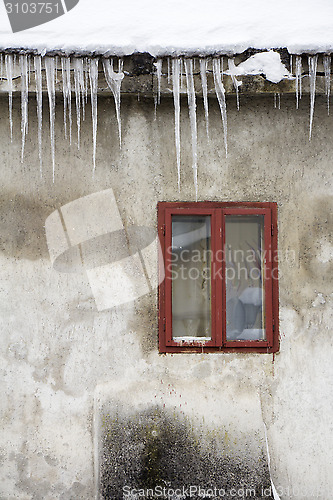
(267, 63)
(178, 27)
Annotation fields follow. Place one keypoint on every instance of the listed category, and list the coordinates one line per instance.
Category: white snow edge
(170, 27)
(266, 63)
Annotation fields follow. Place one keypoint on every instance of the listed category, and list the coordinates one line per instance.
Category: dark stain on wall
(22, 221)
(160, 448)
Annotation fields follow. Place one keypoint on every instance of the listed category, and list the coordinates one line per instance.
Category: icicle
(176, 101)
(78, 76)
(64, 92)
(203, 74)
(67, 93)
(298, 76)
(1, 65)
(114, 82)
(157, 97)
(158, 65)
(219, 89)
(79, 70)
(169, 75)
(193, 118)
(56, 58)
(327, 68)
(277, 100)
(50, 82)
(29, 70)
(182, 76)
(86, 77)
(9, 74)
(93, 76)
(39, 95)
(84, 93)
(24, 99)
(236, 83)
(155, 108)
(313, 60)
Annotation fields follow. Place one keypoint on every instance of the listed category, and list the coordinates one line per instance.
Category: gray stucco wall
(88, 403)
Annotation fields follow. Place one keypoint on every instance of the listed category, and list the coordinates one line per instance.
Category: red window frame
(218, 341)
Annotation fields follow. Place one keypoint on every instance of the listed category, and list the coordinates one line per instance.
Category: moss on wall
(162, 448)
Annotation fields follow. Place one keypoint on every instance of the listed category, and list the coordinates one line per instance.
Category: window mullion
(223, 283)
(168, 278)
(218, 274)
(268, 258)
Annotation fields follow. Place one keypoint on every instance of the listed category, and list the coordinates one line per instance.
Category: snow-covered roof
(174, 27)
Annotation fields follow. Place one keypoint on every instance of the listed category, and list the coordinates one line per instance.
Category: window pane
(244, 251)
(191, 283)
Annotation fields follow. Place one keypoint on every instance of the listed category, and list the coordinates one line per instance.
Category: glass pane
(191, 290)
(244, 251)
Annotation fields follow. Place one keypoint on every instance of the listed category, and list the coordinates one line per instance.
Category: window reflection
(244, 253)
(191, 277)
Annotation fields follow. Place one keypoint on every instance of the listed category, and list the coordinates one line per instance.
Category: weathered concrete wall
(89, 405)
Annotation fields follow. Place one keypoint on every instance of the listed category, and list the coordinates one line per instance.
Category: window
(220, 290)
